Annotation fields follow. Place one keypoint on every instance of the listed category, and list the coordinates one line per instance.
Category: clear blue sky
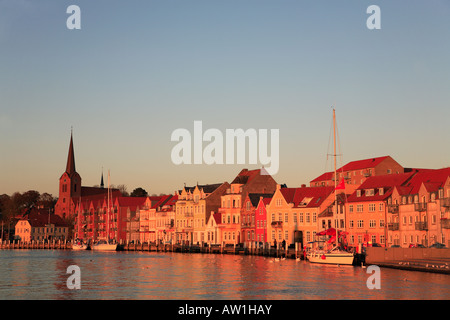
(137, 70)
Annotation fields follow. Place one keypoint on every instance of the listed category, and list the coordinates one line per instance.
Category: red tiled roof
(432, 180)
(131, 202)
(387, 182)
(316, 195)
(246, 176)
(40, 218)
(324, 177)
(362, 164)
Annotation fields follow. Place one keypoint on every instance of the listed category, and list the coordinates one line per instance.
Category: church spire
(102, 185)
(70, 168)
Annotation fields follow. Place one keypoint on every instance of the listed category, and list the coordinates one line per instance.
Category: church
(71, 192)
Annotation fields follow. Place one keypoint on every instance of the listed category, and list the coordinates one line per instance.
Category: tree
(139, 192)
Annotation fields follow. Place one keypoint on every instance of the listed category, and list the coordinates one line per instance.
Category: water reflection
(41, 274)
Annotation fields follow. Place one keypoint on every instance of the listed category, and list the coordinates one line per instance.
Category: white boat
(334, 255)
(103, 245)
(80, 245)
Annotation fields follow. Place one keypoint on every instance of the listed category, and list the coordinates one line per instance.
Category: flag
(341, 185)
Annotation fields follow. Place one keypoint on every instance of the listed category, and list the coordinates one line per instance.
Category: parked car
(437, 245)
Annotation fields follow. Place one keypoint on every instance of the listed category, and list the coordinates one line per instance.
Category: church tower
(69, 186)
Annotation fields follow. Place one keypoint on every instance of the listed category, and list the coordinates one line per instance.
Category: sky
(138, 70)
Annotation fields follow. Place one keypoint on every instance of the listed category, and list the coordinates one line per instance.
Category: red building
(251, 218)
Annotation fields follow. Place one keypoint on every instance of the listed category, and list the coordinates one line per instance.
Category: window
(273, 217)
(359, 208)
(350, 223)
(380, 191)
(372, 223)
(307, 218)
(381, 206)
(358, 193)
(301, 217)
(314, 216)
(295, 217)
(279, 202)
(371, 207)
(360, 223)
(286, 217)
(248, 205)
(350, 208)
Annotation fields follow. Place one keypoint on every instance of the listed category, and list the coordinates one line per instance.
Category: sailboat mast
(107, 214)
(335, 178)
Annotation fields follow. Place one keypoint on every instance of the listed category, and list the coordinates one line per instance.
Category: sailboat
(335, 255)
(106, 244)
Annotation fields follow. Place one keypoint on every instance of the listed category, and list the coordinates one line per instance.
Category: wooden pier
(49, 245)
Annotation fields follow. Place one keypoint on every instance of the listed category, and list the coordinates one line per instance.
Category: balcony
(421, 226)
(393, 226)
(445, 223)
(420, 207)
(393, 208)
(445, 202)
(277, 224)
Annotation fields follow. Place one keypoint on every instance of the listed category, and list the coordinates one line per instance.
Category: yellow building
(39, 225)
(292, 213)
(193, 208)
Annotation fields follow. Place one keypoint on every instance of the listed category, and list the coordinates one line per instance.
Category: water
(41, 274)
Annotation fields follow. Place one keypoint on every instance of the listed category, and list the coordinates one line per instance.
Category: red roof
(362, 164)
(314, 195)
(387, 182)
(432, 180)
(131, 202)
(324, 177)
(40, 218)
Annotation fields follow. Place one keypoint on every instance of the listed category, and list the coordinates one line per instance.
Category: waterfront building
(165, 220)
(366, 209)
(213, 229)
(419, 210)
(193, 208)
(247, 181)
(156, 219)
(261, 219)
(251, 219)
(40, 225)
(356, 172)
(292, 213)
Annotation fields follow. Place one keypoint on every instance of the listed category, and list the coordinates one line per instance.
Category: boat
(80, 245)
(103, 245)
(335, 254)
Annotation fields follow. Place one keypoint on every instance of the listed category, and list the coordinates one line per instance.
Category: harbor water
(43, 274)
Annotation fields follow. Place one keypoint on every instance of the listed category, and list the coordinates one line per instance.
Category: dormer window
(369, 192)
(380, 191)
(358, 193)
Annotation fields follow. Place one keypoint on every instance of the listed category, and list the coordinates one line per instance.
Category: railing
(445, 202)
(420, 207)
(445, 223)
(393, 208)
(421, 226)
(393, 226)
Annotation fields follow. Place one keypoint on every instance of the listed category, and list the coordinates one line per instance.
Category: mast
(107, 214)
(336, 223)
